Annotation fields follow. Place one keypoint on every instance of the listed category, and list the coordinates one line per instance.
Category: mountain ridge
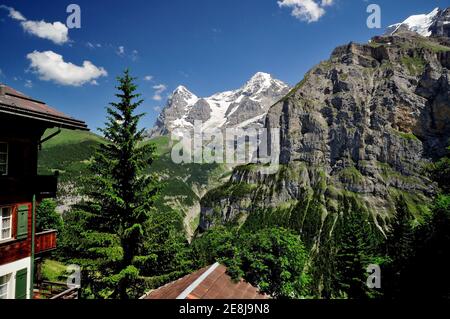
(357, 134)
(435, 23)
(242, 107)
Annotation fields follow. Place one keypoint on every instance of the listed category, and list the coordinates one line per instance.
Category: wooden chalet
(23, 121)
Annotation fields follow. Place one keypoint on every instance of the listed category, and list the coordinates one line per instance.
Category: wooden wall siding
(16, 249)
(45, 241)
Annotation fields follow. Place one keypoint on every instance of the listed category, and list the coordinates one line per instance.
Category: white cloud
(306, 10)
(51, 67)
(327, 3)
(56, 31)
(91, 45)
(157, 109)
(159, 90)
(28, 84)
(16, 15)
(135, 55)
(121, 51)
(148, 77)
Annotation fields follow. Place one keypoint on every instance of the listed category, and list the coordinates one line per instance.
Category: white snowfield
(420, 23)
(225, 104)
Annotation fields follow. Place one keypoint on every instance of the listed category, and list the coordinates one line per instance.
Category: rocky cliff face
(361, 127)
(246, 106)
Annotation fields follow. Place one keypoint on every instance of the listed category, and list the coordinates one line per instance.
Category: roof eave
(55, 121)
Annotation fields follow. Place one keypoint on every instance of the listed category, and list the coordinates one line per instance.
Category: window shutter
(21, 284)
(22, 222)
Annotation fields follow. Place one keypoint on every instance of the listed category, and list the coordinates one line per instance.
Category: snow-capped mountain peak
(258, 82)
(245, 106)
(181, 89)
(434, 23)
(182, 98)
(260, 78)
(184, 92)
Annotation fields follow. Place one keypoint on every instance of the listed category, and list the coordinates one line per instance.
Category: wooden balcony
(45, 241)
(41, 186)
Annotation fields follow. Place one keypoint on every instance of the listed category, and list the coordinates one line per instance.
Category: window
(3, 158)
(5, 223)
(4, 286)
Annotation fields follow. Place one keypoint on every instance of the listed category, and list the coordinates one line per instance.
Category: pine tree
(353, 253)
(399, 249)
(120, 196)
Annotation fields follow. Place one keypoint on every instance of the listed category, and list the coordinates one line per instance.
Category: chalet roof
(16, 103)
(207, 283)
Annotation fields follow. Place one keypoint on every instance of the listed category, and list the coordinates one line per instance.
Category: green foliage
(416, 203)
(433, 46)
(351, 174)
(272, 259)
(46, 216)
(165, 247)
(353, 255)
(406, 136)
(399, 249)
(417, 255)
(440, 172)
(109, 229)
(230, 190)
(54, 271)
(69, 153)
(375, 44)
(415, 65)
(217, 244)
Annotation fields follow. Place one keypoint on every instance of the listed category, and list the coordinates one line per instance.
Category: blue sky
(206, 45)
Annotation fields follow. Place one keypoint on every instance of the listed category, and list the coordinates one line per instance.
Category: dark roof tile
(17, 103)
(216, 285)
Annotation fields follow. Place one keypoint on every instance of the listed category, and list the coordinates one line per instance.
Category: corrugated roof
(16, 103)
(211, 282)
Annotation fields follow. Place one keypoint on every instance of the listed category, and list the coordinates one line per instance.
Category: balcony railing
(41, 186)
(55, 290)
(45, 241)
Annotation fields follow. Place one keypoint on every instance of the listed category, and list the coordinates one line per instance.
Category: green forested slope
(182, 186)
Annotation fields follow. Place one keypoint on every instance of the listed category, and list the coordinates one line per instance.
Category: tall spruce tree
(354, 252)
(399, 246)
(120, 196)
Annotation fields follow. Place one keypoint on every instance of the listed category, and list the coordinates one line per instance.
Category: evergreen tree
(353, 253)
(440, 172)
(427, 274)
(47, 217)
(274, 259)
(399, 246)
(120, 200)
(166, 242)
(218, 243)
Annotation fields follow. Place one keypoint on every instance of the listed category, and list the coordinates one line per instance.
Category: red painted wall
(16, 249)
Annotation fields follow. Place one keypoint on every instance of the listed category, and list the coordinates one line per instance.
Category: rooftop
(16, 103)
(211, 282)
